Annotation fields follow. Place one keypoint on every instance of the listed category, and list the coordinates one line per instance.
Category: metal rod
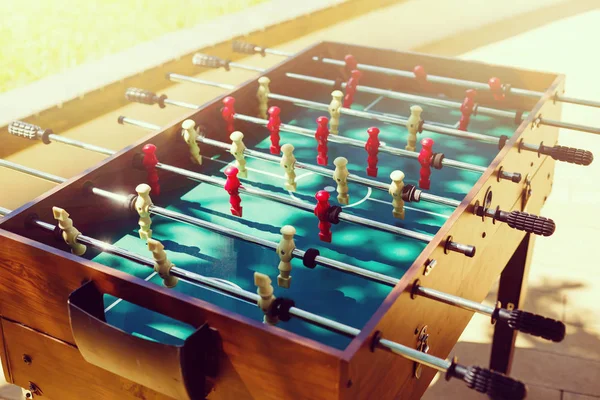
(237, 292)
(405, 96)
(300, 204)
(31, 171)
(384, 148)
(323, 261)
(454, 300)
(415, 355)
(300, 165)
(568, 125)
(323, 171)
(580, 102)
(185, 78)
(182, 104)
(355, 113)
(136, 122)
(81, 145)
(246, 67)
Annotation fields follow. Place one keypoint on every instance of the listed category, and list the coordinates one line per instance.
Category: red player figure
(351, 63)
(232, 186)
(351, 87)
(421, 77)
(372, 148)
(497, 88)
(228, 111)
(425, 160)
(321, 135)
(149, 163)
(467, 109)
(321, 210)
(273, 127)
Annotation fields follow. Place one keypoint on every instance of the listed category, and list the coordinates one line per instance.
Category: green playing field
(345, 298)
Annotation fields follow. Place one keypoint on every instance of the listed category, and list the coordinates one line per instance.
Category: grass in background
(43, 37)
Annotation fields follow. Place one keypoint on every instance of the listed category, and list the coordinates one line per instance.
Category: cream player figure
(284, 249)
(263, 96)
(69, 232)
(335, 111)
(190, 134)
(162, 265)
(288, 162)
(142, 206)
(340, 175)
(412, 124)
(237, 150)
(396, 192)
(265, 291)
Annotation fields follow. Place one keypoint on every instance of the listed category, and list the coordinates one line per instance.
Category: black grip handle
(496, 385)
(533, 324)
(568, 154)
(145, 97)
(247, 48)
(29, 131)
(530, 223)
(204, 60)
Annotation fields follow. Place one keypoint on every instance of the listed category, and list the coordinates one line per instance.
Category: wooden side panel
(400, 316)
(4, 355)
(60, 372)
(259, 361)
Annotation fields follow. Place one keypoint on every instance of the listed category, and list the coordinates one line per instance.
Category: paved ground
(563, 282)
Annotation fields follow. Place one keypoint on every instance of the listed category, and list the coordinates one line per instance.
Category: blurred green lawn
(43, 37)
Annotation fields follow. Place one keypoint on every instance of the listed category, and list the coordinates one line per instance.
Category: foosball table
(324, 231)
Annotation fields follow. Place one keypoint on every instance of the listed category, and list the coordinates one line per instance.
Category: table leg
(511, 294)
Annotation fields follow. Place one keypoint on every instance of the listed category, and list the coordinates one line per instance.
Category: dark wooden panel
(4, 356)
(60, 372)
(259, 361)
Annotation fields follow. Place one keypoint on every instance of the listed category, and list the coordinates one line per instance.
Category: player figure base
(242, 173)
(289, 187)
(284, 282)
(276, 150)
(322, 160)
(236, 212)
(343, 199)
(325, 237)
(372, 171)
(424, 184)
(398, 214)
(196, 160)
(410, 148)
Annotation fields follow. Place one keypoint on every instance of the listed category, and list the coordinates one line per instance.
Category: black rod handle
(568, 154)
(533, 324)
(496, 385)
(529, 223)
(29, 131)
(145, 97)
(247, 48)
(204, 60)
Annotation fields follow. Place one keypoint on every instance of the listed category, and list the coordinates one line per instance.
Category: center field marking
(330, 189)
